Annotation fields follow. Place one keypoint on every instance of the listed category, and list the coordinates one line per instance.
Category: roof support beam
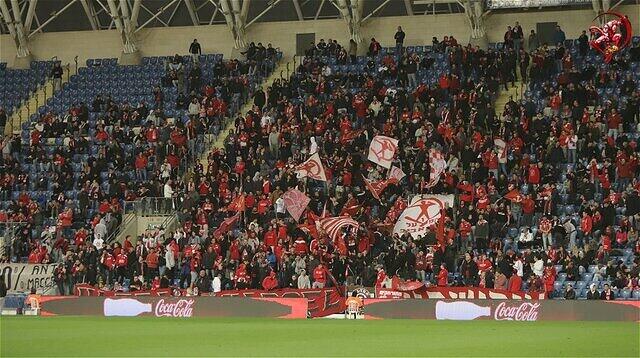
(31, 11)
(408, 7)
(376, 10)
(89, 12)
(152, 13)
(474, 11)
(319, 10)
(21, 42)
(53, 17)
(296, 5)
(275, 2)
(192, 12)
(173, 14)
(155, 16)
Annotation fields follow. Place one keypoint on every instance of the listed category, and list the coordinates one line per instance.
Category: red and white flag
(437, 164)
(295, 202)
(423, 213)
(333, 226)
(396, 173)
(312, 168)
(382, 149)
(377, 187)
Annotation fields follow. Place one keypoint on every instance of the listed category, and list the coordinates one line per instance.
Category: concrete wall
(217, 39)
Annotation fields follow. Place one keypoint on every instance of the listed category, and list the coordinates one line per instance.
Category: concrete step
(30, 106)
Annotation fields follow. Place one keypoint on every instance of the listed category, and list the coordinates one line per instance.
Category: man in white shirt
(168, 190)
(537, 266)
(216, 284)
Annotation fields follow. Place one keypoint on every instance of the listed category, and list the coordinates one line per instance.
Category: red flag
(310, 229)
(350, 135)
(350, 208)
(440, 236)
(377, 187)
(226, 225)
(514, 195)
(237, 204)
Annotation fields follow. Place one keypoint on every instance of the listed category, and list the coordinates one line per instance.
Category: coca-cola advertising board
(178, 307)
(502, 310)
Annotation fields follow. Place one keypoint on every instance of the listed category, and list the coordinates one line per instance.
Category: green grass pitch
(92, 336)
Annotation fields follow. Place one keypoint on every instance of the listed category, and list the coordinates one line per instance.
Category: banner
(178, 307)
(422, 213)
(322, 302)
(382, 149)
(457, 293)
(24, 277)
(295, 202)
(333, 226)
(502, 310)
(311, 168)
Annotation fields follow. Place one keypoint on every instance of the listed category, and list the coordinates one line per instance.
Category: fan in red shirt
(319, 276)
(443, 276)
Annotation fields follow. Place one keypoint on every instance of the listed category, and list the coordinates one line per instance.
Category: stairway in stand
(514, 92)
(30, 106)
(229, 125)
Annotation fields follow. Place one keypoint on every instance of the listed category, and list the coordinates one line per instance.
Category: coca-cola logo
(526, 311)
(180, 308)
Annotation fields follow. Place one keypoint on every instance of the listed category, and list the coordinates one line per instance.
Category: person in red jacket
(121, 266)
(443, 276)
(319, 276)
(534, 174)
(515, 283)
(270, 282)
(549, 277)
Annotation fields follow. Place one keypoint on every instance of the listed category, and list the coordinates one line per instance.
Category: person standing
(583, 44)
(559, 37)
(56, 75)
(399, 37)
(195, 50)
(534, 43)
(518, 37)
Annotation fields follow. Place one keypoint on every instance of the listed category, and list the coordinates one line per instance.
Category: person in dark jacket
(203, 282)
(570, 293)
(469, 270)
(607, 294)
(593, 293)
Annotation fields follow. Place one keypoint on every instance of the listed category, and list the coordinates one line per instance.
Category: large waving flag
(333, 225)
(312, 168)
(437, 164)
(382, 149)
(295, 202)
(226, 225)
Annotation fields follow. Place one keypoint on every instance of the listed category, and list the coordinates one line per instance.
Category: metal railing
(8, 232)
(126, 221)
(152, 206)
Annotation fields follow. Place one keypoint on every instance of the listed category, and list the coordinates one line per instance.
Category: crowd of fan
(490, 241)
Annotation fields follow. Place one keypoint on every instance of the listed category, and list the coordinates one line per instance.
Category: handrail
(127, 220)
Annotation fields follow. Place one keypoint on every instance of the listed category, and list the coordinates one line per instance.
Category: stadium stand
(554, 201)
